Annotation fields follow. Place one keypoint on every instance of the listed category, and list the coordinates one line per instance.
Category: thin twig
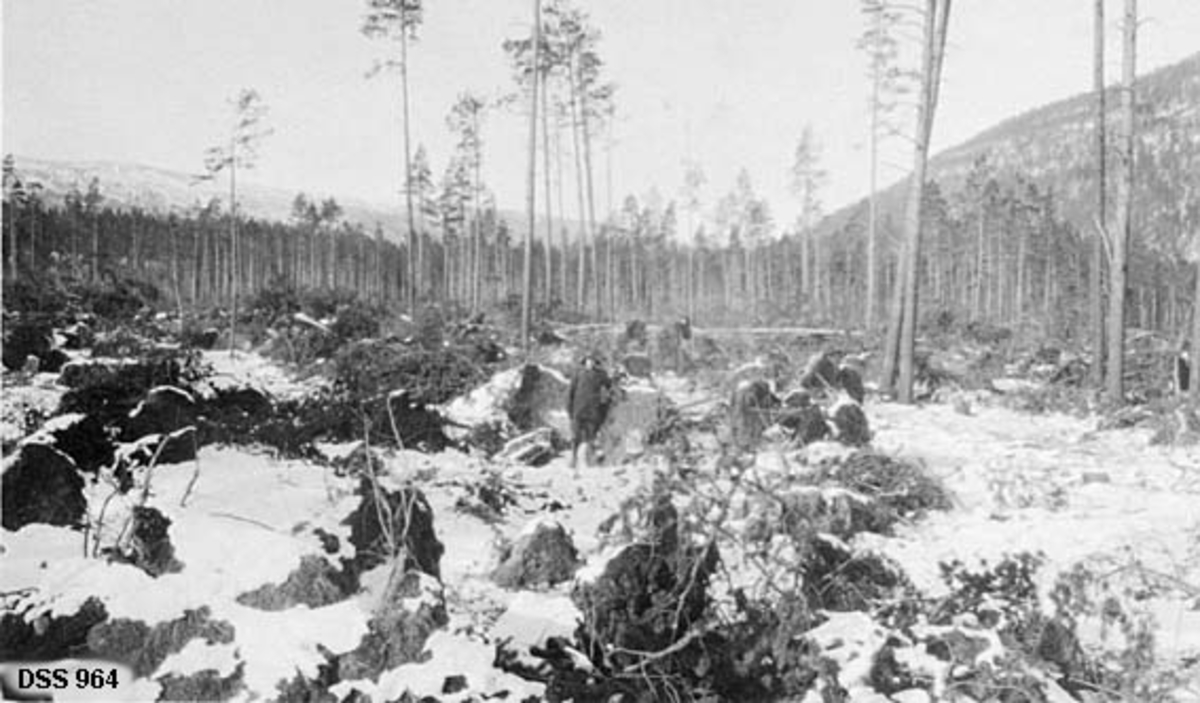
(195, 474)
(239, 518)
(150, 469)
(650, 657)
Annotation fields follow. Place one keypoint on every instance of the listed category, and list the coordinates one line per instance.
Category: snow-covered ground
(1053, 484)
(1045, 483)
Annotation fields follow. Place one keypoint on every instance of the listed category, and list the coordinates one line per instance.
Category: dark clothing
(850, 380)
(587, 403)
(684, 329)
(751, 411)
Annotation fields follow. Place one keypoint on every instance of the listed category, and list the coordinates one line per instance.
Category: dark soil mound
(407, 526)
(806, 424)
(87, 442)
(547, 557)
(163, 410)
(850, 380)
(820, 374)
(144, 648)
(314, 583)
(42, 486)
(396, 634)
(49, 637)
(851, 424)
(150, 547)
(649, 595)
(31, 337)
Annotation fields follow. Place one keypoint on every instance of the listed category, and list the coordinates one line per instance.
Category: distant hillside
(126, 185)
(1054, 146)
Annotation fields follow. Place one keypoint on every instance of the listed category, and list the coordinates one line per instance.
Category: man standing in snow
(1183, 369)
(587, 402)
(752, 409)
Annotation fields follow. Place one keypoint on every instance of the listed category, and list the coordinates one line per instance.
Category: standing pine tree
(398, 20)
(466, 121)
(888, 84)
(807, 179)
(901, 341)
(14, 200)
(245, 134)
(1115, 381)
(531, 195)
(1096, 284)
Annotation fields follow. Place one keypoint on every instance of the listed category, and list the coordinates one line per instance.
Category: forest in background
(1008, 223)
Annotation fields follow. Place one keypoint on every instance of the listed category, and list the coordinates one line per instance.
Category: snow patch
(449, 655)
(198, 655)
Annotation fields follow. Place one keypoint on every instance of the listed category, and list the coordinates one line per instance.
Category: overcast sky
(733, 83)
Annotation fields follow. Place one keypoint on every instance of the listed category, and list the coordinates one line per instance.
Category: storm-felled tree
(245, 134)
(398, 20)
(901, 340)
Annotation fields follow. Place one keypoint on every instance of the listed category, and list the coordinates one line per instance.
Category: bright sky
(733, 83)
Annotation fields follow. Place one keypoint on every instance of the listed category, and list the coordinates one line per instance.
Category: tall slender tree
(1121, 232)
(531, 195)
(246, 133)
(398, 20)
(693, 184)
(466, 122)
(807, 178)
(329, 214)
(902, 333)
(888, 83)
(91, 207)
(1098, 256)
(15, 196)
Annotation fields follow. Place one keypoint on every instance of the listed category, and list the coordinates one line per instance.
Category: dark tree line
(997, 250)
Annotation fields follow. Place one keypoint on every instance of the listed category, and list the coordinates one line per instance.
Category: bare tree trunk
(1194, 354)
(977, 302)
(95, 246)
(936, 25)
(1019, 293)
(531, 198)
(1115, 383)
(591, 198)
(173, 230)
(476, 233)
(564, 257)
(548, 285)
(197, 262)
(872, 208)
(1096, 284)
(233, 243)
(11, 210)
(586, 232)
(411, 284)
